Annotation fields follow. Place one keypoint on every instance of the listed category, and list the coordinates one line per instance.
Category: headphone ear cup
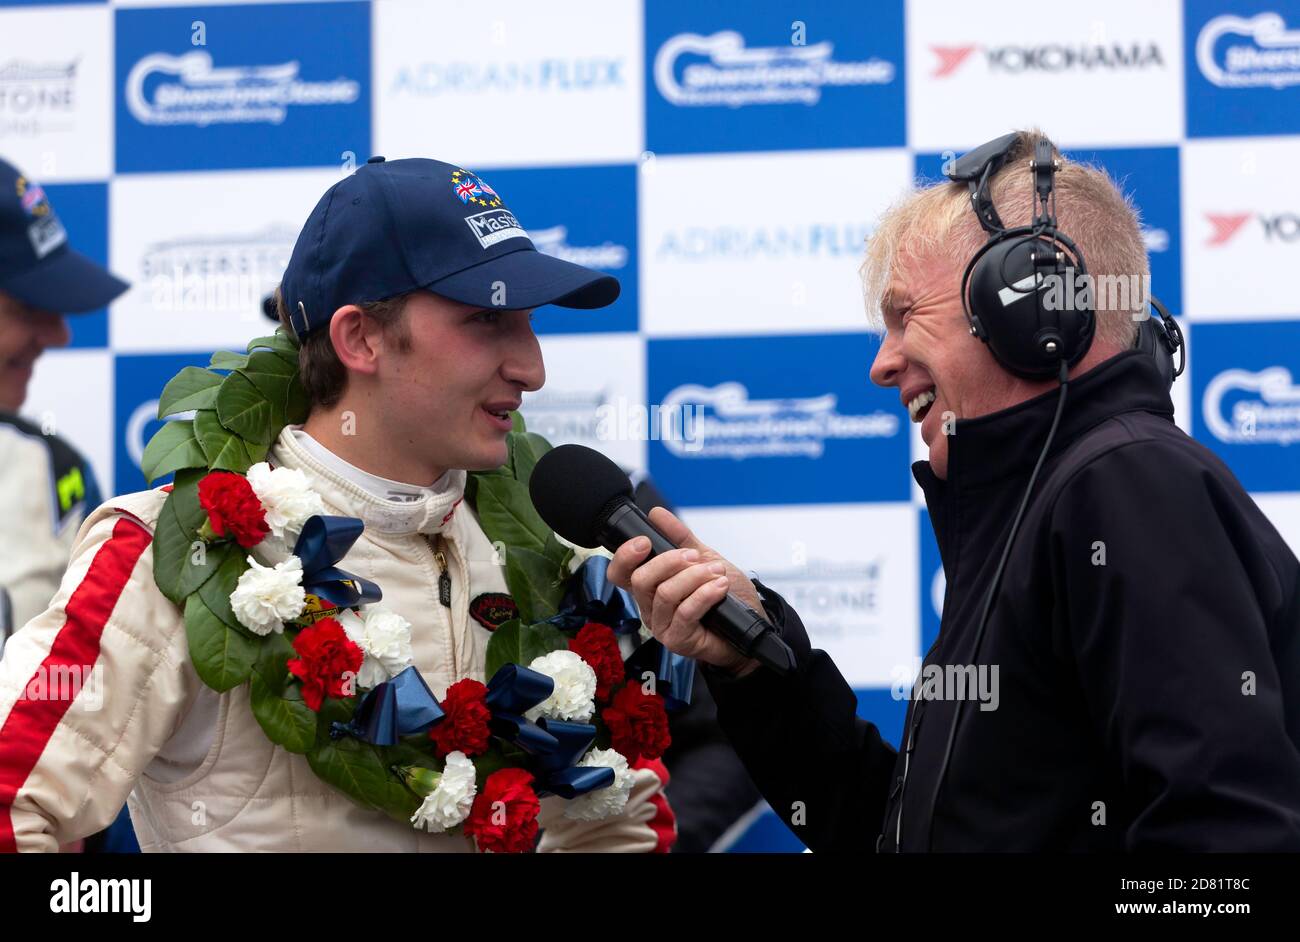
(1016, 321)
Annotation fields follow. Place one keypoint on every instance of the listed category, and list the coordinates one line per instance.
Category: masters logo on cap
(495, 225)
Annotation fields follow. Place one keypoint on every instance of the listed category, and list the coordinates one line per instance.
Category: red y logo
(1225, 227)
(950, 57)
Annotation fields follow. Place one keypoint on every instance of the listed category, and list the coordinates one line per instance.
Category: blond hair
(1090, 208)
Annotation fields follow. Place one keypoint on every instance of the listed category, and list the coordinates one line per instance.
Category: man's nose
(524, 367)
(889, 362)
(52, 329)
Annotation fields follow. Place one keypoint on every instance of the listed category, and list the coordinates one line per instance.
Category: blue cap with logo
(394, 226)
(37, 265)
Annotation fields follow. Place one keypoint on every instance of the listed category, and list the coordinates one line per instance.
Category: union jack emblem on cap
(471, 189)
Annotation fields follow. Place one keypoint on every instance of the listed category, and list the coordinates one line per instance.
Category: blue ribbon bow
(402, 706)
(557, 773)
(322, 543)
(674, 674)
(590, 596)
(512, 692)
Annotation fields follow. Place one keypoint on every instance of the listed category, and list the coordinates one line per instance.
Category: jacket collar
(1006, 444)
(431, 513)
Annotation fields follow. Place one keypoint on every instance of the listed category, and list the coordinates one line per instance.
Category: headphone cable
(1064, 377)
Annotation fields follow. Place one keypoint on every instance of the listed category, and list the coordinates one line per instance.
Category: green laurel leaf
(191, 388)
(224, 450)
(536, 583)
(516, 643)
(506, 513)
(222, 657)
(245, 411)
(277, 703)
(525, 451)
(181, 561)
(358, 769)
(172, 448)
(226, 360)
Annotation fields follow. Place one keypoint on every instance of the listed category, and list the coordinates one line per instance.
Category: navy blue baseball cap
(37, 265)
(395, 226)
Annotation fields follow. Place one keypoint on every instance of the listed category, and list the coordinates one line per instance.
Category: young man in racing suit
(411, 289)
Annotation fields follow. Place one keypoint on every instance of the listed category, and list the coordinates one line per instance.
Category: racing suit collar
(383, 506)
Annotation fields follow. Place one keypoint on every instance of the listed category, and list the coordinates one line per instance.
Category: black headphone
(1001, 292)
(1002, 287)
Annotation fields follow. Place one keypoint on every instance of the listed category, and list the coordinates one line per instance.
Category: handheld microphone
(587, 499)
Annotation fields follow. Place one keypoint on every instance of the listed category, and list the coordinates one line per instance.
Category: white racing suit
(48, 490)
(198, 772)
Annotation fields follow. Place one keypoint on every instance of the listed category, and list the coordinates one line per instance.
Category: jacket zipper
(444, 591)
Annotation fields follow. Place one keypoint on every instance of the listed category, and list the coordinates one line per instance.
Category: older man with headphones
(1138, 615)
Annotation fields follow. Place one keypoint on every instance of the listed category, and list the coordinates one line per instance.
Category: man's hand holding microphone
(674, 589)
(695, 602)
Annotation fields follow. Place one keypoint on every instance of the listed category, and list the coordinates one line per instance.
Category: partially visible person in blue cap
(48, 487)
(411, 288)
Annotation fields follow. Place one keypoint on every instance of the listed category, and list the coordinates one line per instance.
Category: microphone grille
(574, 489)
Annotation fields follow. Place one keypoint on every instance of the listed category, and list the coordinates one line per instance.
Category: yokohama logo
(1050, 58)
(1279, 227)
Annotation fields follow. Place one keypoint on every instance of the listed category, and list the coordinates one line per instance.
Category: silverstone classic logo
(733, 75)
(1265, 407)
(1261, 52)
(732, 425)
(163, 89)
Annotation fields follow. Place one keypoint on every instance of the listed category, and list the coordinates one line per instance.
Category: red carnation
(327, 655)
(233, 507)
(504, 815)
(598, 646)
(637, 723)
(465, 727)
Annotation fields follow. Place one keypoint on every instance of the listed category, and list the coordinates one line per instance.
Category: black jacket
(1147, 639)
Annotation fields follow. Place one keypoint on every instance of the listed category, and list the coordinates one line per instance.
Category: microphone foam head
(572, 488)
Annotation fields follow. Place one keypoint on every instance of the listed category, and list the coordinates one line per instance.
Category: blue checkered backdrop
(725, 162)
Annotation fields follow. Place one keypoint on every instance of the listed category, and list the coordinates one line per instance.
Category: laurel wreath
(240, 404)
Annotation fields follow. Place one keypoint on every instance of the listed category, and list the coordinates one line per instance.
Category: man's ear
(357, 339)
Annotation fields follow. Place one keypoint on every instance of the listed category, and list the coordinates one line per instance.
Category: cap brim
(528, 279)
(67, 283)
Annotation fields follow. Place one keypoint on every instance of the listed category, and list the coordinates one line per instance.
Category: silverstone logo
(495, 225)
(193, 91)
(1050, 58)
(769, 75)
(1265, 54)
(36, 98)
(728, 424)
(1269, 413)
(230, 272)
(566, 415)
(608, 256)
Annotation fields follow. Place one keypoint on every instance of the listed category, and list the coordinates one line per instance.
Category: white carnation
(265, 598)
(575, 687)
(385, 637)
(450, 802)
(603, 802)
(287, 499)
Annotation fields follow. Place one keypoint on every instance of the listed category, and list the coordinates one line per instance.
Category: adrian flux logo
(1269, 56)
